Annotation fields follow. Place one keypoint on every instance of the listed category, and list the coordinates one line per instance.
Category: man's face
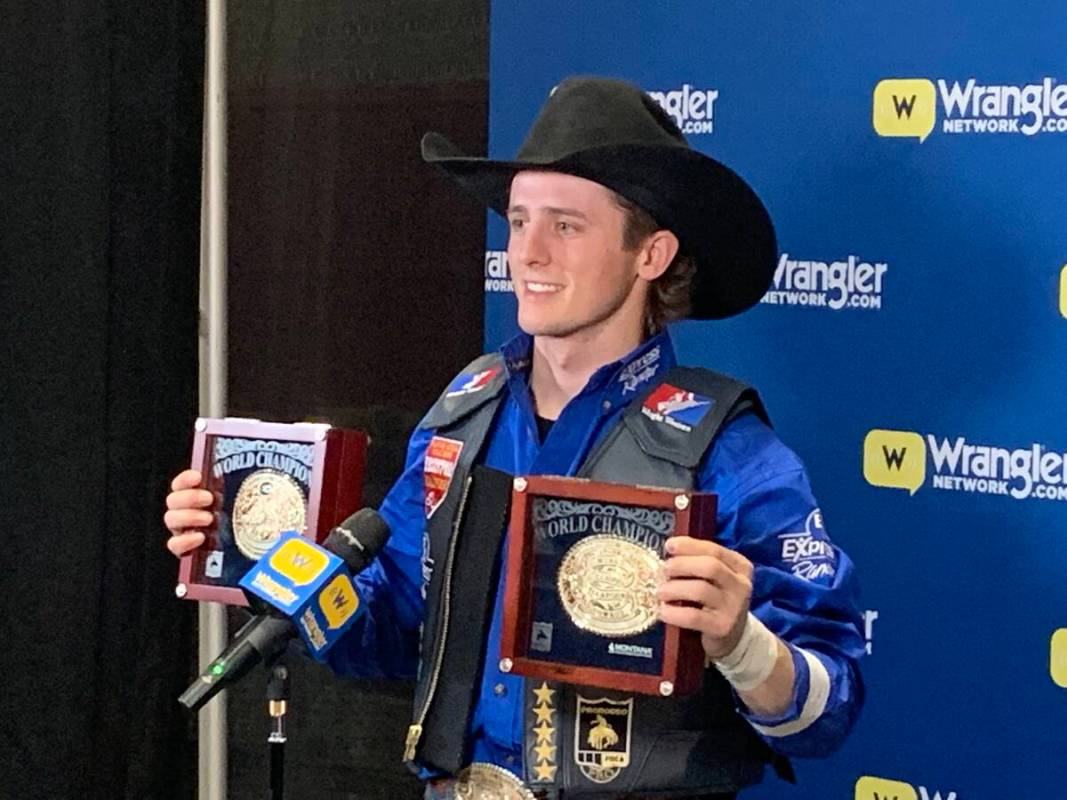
(568, 267)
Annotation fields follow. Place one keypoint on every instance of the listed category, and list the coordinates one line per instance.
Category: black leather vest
(693, 744)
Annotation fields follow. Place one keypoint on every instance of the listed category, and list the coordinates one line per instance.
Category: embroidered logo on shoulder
(469, 384)
(808, 554)
(676, 407)
(437, 470)
(520, 364)
(637, 372)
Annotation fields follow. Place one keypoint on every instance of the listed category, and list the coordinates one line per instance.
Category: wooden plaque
(583, 563)
(267, 477)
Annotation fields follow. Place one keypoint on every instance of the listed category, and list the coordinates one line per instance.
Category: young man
(616, 228)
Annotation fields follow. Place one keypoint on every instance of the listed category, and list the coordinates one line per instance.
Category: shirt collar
(634, 372)
(619, 380)
(517, 353)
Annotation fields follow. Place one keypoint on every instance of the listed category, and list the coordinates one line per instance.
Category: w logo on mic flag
(308, 584)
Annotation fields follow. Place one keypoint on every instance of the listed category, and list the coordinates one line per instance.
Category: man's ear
(656, 254)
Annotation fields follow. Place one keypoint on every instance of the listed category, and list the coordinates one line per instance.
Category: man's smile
(540, 287)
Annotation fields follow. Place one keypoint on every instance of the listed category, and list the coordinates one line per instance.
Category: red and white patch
(437, 470)
(469, 384)
(676, 407)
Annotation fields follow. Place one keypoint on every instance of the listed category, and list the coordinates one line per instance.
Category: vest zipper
(415, 730)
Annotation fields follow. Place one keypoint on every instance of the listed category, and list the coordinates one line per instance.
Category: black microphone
(263, 638)
(358, 539)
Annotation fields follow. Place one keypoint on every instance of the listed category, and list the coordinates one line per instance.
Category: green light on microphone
(218, 668)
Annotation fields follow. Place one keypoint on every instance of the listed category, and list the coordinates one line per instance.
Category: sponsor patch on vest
(676, 407)
(437, 470)
(469, 384)
(602, 737)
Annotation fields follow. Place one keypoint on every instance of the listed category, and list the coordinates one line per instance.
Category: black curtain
(356, 275)
(100, 145)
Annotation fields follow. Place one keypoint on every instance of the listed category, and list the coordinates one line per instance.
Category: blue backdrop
(913, 349)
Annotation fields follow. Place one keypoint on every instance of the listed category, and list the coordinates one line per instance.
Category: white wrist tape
(750, 663)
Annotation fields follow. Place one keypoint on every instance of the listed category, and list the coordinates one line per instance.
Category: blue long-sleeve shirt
(803, 587)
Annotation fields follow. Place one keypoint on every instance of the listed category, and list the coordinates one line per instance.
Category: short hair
(669, 295)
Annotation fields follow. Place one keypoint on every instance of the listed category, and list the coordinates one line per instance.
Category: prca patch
(602, 737)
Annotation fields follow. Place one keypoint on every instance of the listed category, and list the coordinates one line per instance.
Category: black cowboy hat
(610, 132)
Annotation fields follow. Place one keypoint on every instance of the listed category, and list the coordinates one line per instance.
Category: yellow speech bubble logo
(1063, 291)
(338, 601)
(299, 561)
(894, 459)
(1057, 662)
(905, 107)
(870, 788)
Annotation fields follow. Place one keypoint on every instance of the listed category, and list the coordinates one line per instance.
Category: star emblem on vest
(676, 407)
(544, 770)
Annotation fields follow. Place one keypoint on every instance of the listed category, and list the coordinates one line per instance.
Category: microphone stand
(277, 707)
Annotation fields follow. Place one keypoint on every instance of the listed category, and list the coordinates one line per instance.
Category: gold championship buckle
(482, 781)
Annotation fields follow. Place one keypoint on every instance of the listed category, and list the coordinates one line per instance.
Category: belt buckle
(482, 781)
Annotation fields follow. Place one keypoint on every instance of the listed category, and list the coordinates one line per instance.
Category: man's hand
(716, 586)
(187, 513)
(714, 583)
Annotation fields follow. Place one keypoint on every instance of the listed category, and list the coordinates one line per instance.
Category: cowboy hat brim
(718, 219)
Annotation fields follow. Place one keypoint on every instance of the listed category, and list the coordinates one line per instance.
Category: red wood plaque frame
(334, 487)
(682, 664)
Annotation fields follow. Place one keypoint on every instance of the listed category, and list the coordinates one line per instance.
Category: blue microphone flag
(309, 585)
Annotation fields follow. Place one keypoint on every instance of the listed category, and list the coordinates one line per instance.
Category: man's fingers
(190, 498)
(187, 479)
(180, 520)
(717, 629)
(691, 590)
(708, 568)
(182, 543)
(688, 546)
(694, 619)
(714, 624)
(186, 512)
